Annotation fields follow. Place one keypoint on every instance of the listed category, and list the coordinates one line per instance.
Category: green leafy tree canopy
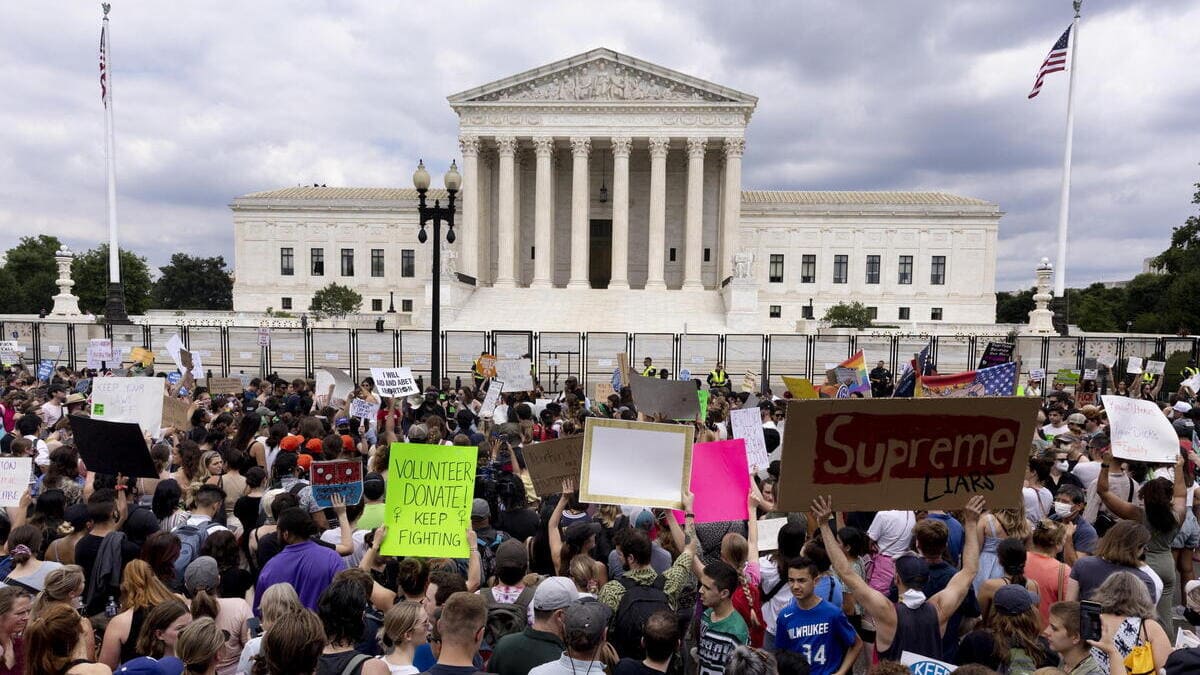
(336, 301)
(27, 278)
(90, 272)
(192, 282)
(848, 315)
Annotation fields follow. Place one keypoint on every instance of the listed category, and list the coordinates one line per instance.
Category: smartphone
(1089, 620)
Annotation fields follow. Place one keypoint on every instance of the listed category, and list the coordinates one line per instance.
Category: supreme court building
(602, 192)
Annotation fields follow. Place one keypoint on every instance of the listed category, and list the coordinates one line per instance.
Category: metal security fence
(589, 357)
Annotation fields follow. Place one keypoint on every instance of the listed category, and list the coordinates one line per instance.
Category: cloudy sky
(220, 99)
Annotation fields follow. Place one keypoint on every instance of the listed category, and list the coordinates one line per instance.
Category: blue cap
(145, 665)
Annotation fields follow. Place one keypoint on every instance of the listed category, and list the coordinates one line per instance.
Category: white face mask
(912, 598)
(1063, 466)
(1062, 510)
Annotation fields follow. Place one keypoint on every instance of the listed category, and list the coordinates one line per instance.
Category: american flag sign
(1055, 61)
(104, 64)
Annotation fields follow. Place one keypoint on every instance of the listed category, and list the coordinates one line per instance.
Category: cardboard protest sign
(1134, 365)
(343, 384)
(112, 447)
(429, 493)
(747, 425)
(623, 368)
(750, 381)
(768, 533)
(601, 391)
(486, 364)
(515, 374)
(1139, 431)
(363, 409)
(1156, 367)
(393, 382)
(1089, 375)
(996, 353)
(635, 463)
(1083, 398)
(552, 462)
(15, 473)
(672, 399)
(491, 398)
(800, 387)
(10, 352)
(175, 413)
(720, 481)
(341, 477)
(875, 454)
(142, 356)
(230, 386)
(101, 349)
(129, 399)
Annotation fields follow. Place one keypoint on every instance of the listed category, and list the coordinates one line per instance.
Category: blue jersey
(829, 588)
(822, 634)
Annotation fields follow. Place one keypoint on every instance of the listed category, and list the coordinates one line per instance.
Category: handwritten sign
(750, 381)
(601, 391)
(363, 409)
(1139, 431)
(1134, 366)
(1107, 360)
(663, 453)
(392, 382)
(623, 367)
(672, 399)
(225, 385)
(129, 399)
(1156, 367)
(1089, 375)
(1037, 374)
(514, 373)
(874, 454)
(747, 425)
(429, 494)
(45, 370)
(338, 477)
(14, 479)
(175, 413)
(1066, 376)
(99, 353)
(491, 398)
(552, 462)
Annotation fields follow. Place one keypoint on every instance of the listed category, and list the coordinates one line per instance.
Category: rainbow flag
(852, 373)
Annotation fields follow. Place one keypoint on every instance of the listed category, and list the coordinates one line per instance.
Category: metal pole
(114, 310)
(1064, 207)
(435, 357)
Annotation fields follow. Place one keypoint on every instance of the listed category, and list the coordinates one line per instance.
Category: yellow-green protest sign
(429, 493)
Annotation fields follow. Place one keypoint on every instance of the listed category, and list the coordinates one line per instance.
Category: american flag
(907, 385)
(104, 64)
(994, 381)
(1055, 61)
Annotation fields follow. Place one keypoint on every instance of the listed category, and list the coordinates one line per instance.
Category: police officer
(648, 369)
(718, 378)
(1190, 370)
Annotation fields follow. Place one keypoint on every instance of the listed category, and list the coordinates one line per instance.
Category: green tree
(1098, 309)
(335, 300)
(30, 271)
(848, 315)
(1014, 307)
(90, 272)
(192, 282)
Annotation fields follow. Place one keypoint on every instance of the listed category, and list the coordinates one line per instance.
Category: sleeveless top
(917, 631)
(335, 664)
(129, 650)
(65, 669)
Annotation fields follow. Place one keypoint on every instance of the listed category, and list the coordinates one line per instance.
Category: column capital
(734, 147)
(468, 144)
(543, 146)
(696, 146)
(581, 146)
(506, 145)
(659, 147)
(621, 145)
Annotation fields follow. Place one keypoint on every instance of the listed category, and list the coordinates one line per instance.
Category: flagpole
(114, 308)
(1064, 207)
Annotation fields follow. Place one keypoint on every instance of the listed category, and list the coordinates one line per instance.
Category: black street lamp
(437, 213)
(391, 302)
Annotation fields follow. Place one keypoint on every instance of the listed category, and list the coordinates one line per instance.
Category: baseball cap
(1012, 600)
(342, 421)
(304, 461)
(554, 593)
(644, 520)
(912, 570)
(348, 442)
(1089, 411)
(585, 620)
(201, 573)
(146, 665)
(314, 445)
(480, 509)
(577, 533)
(373, 486)
(1182, 407)
(290, 443)
(512, 553)
(1077, 418)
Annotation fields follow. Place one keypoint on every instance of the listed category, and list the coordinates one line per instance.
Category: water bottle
(111, 609)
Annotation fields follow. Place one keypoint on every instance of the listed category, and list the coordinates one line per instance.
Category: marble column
(543, 262)
(656, 248)
(505, 227)
(694, 218)
(731, 205)
(468, 231)
(620, 213)
(581, 146)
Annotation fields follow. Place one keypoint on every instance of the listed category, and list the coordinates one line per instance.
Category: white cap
(1182, 407)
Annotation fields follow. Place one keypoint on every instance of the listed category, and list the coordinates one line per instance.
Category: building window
(905, 276)
(347, 262)
(376, 305)
(285, 303)
(406, 305)
(707, 255)
(872, 269)
(808, 269)
(671, 255)
(376, 262)
(533, 253)
(408, 263)
(807, 312)
(935, 314)
(287, 261)
(937, 270)
(775, 270)
(317, 256)
(776, 311)
(904, 314)
(841, 268)
(873, 313)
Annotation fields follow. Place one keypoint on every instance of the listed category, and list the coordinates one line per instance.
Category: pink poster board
(720, 481)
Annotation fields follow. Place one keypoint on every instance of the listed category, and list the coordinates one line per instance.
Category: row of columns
(506, 225)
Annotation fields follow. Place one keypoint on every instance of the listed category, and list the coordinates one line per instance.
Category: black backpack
(505, 618)
(638, 603)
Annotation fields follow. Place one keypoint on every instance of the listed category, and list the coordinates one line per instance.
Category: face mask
(1062, 466)
(912, 598)
(1062, 510)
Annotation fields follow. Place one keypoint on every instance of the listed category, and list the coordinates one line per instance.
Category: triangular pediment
(602, 76)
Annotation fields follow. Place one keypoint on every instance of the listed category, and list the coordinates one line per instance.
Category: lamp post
(436, 213)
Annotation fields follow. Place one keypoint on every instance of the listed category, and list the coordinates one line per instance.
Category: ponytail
(204, 604)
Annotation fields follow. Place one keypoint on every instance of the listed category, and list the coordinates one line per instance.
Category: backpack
(638, 603)
(505, 618)
(191, 540)
(487, 554)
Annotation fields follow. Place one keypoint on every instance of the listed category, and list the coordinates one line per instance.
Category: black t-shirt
(521, 524)
(246, 510)
(85, 556)
(235, 582)
(634, 667)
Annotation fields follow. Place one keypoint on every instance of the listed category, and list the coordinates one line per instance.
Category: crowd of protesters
(225, 562)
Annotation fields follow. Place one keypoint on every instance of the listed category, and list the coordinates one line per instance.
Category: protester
(55, 646)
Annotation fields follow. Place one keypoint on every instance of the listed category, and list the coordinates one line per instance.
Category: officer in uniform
(718, 378)
(648, 369)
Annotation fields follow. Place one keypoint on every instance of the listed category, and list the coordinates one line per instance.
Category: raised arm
(949, 598)
(1111, 501)
(389, 422)
(474, 563)
(874, 603)
(1179, 498)
(556, 543)
(752, 503)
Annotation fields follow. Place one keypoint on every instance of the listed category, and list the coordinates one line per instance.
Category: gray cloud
(217, 101)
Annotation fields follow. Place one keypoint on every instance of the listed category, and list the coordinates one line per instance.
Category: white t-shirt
(892, 531)
(771, 608)
(51, 413)
(334, 536)
(1051, 431)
